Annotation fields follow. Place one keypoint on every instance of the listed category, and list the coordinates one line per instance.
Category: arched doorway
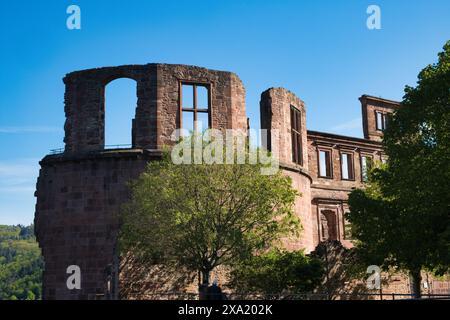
(120, 110)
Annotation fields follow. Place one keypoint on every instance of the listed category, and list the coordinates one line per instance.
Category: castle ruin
(80, 190)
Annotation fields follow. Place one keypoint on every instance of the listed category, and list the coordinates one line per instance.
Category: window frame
(383, 120)
(371, 157)
(330, 153)
(329, 214)
(195, 110)
(350, 167)
(296, 135)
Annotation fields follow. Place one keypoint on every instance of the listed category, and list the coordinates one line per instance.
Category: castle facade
(80, 189)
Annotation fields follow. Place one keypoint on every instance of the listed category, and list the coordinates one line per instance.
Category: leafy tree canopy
(402, 218)
(21, 264)
(277, 272)
(200, 216)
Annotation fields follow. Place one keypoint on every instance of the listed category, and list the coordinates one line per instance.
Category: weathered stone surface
(157, 111)
(275, 117)
(80, 192)
(76, 220)
(369, 105)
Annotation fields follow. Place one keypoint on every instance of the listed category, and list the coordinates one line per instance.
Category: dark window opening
(195, 107)
(296, 135)
(325, 170)
(347, 168)
(328, 223)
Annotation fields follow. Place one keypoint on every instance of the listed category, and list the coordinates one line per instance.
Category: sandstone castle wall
(79, 191)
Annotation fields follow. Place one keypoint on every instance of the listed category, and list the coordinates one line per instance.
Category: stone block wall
(275, 109)
(80, 192)
(85, 107)
(370, 105)
(78, 202)
(227, 98)
(330, 194)
(157, 110)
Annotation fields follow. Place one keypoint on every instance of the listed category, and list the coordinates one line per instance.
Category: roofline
(380, 99)
(338, 136)
(137, 66)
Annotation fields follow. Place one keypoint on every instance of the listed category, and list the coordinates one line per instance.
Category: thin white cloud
(17, 185)
(22, 168)
(348, 125)
(18, 175)
(29, 129)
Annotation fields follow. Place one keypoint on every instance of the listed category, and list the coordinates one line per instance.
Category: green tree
(277, 272)
(21, 264)
(402, 218)
(201, 216)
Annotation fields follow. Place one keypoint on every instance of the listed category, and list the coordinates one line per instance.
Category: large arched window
(120, 110)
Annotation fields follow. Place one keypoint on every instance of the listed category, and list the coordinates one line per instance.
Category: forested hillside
(21, 264)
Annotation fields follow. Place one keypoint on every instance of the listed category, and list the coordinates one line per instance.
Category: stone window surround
(361, 155)
(294, 109)
(335, 211)
(352, 155)
(326, 149)
(383, 120)
(208, 86)
(339, 207)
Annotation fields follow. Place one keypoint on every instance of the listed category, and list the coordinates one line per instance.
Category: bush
(277, 272)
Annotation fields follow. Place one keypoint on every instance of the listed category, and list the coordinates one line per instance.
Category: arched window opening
(120, 111)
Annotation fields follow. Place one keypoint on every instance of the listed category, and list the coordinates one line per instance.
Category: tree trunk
(203, 287)
(205, 277)
(416, 279)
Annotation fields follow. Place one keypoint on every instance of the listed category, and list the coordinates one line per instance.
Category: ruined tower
(283, 114)
(80, 190)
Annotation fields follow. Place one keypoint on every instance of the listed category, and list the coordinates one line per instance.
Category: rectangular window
(195, 107)
(296, 136)
(381, 120)
(325, 164)
(366, 163)
(347, 166)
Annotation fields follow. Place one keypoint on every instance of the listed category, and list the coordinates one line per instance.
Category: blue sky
(320, 50)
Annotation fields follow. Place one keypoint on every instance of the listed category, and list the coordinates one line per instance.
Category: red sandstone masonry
(369, 105)
(76, 221)
(275, 116)
(79, 192)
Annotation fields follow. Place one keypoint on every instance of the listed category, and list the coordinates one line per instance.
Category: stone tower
(80, 190)
(375, 115)
(283, 114)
